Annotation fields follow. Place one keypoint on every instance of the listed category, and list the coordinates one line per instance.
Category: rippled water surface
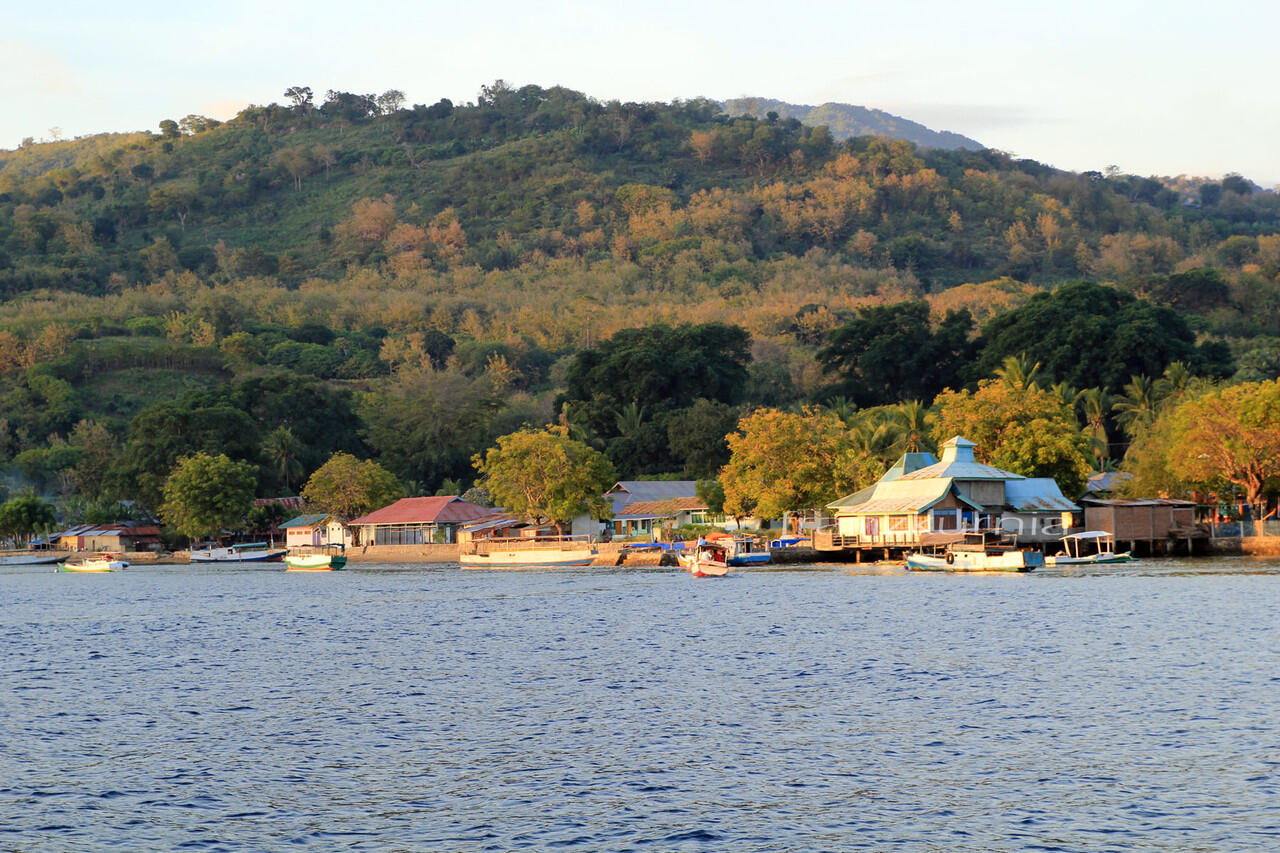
(827, 708)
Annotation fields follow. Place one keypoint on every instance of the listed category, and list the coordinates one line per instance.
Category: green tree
(892, 352)
(22, 517)
(545, 476)
(698, 436)
(1028, 431)
(206, 494)
(349, 487)
(281, 449)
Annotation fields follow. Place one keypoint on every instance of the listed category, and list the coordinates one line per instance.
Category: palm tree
(281, 448)
(1137, 406)
(1093, 405)
(1176, 378)
(1018, 372)
(914, 421)
(876, 434)
(630, 418)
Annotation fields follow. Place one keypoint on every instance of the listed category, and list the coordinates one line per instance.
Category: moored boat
(705, 560)
(529, 552)
(741, 550)
(245, 552)
(979, 552)
(30, 558)
(1075, 553)
(316, 558)
(97, 563)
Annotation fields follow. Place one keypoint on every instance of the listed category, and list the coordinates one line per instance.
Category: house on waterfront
(416, 521)
(1158, 523)
(642, 506)
(118, 536)
(316, 528)
(923, 500)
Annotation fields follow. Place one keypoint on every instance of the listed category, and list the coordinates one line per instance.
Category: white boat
(531, 552)
(316, 558)
(1075, 552)
(30, 558)
(104, 562)
(979, 552)
(705, 560)
(245, 552)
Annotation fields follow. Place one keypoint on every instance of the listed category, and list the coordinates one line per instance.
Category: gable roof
(627, 492)
(660, 509)
(310, 519)
(446, 509)
(1037, 494)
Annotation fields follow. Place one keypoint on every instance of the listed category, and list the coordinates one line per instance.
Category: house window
(966, 518)
(871, 525)
(899, 523)
(944, 519)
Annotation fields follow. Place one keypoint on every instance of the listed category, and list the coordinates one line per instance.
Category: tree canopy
(206, 494)
(546, 476)
(349, 487)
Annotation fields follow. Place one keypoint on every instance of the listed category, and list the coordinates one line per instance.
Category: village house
(317, 528)
(923, 500)
(1159, 524)
(118, 536)
(416, 521)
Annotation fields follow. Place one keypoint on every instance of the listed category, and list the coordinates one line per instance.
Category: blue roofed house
(923, 500)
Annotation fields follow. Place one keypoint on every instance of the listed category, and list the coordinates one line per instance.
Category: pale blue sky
(1154, 88)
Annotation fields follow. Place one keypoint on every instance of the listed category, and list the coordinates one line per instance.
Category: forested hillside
(846, 120)
(431, 277)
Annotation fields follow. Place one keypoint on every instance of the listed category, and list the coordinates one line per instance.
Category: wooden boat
(741, 550)
(97, 563)
(1075, 553)
(30, 558)
(705, 560)
(245, 552)
(316, 558)
(529, 552)
(979, 552)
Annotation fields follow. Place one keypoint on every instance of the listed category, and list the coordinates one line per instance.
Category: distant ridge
(845, 120)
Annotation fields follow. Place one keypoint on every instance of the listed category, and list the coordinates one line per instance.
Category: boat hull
(243, 557)
(93, 566)
(30, 559)
(530, 559)
(700, 567)
(1013, 561)
(314, 562)
(1090, 560)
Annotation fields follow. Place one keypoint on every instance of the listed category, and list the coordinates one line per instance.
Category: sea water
(1132, 707)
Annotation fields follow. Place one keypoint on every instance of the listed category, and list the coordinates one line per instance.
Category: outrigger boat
(103, 562)
(529, 552)
(245, 552)
(979, 552)
(316, 558)
(705, 560)
(1104, 545)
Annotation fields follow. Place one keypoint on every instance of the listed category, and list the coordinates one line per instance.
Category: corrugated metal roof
(449, 509)
(627, 492)
(1137, 502)
(901, 496)
(1037, 494)
(958, 463)
(306, 520)
(660, 509)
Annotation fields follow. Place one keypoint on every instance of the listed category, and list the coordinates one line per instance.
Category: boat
(105, 561)
(316, 558)
(1074, 551)
(708, 559)
(984, 551)
(531, 552)
(30, 558)
(741, 550)
(245, 552)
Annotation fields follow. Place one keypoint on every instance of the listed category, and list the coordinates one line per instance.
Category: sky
(1153, 88)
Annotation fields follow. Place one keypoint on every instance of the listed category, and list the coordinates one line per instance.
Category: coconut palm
(914, 421)
(1137, 407)
(1092, 406)
(1018, 372)
(281, 449)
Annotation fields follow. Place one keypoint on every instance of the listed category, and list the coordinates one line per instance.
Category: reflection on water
(1118, 707)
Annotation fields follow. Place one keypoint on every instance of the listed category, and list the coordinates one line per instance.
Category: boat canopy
(1089, 534)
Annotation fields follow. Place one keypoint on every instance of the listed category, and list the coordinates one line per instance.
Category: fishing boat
(978, 552)
(105, 561)
(529, 552)
(245, 552)
(315, 558)
(741, 550)
(30, 558)
(1086, 548)
(708, 559)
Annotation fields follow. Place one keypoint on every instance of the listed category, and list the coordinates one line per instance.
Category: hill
(846, 120)
(449, 263)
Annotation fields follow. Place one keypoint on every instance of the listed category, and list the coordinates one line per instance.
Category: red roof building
(417, 521)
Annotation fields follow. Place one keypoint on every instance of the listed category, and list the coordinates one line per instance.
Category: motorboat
(245, 552)
(1088, 547)
(529, 552)
(707, 559)
(316, 558)
(105, 561)
(741, 550)
(983, 551)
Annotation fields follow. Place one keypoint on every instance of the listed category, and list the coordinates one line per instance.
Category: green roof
(305, 520)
